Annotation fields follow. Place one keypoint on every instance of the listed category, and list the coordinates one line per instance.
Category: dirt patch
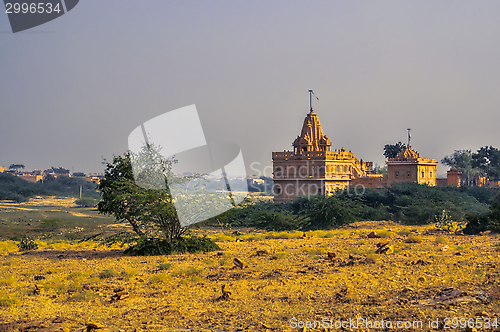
(46, 325)
(373, 225)
(71, 254)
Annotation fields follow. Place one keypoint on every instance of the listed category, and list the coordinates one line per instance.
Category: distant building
(30, 177)
(454, 177)
(94, 178)
(409, 166)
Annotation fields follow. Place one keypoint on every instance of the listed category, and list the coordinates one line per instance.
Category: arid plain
(288, 279)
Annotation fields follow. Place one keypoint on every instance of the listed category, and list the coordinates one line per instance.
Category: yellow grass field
(288, 280)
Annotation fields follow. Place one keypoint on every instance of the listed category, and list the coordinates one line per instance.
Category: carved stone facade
(312, 168)
(409, 166)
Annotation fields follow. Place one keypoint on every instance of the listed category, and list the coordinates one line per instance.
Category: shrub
(413, 239)
(86, 202)
(27, 244)
(128, 273)
(76, 275)
(384, 233)
(164, 266)
(445, 223)
(159, 278)
(476, 224)
(108, 273)
(441, 239)
(404, 232)
(83, 296)
(190, 271)
(7, 281)
(155, 246)
(7, 302)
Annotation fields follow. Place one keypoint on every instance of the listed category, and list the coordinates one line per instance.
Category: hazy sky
(73, 89)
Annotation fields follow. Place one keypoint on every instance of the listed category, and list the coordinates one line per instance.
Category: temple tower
(312, 168)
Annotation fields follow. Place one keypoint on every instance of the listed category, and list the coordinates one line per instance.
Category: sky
(73, 89)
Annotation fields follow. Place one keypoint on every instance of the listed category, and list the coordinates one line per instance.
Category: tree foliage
(490, 221)
(485, 162)
(392, 150)
(16, 166)
(147, 210)
(460, 159)
(487, 159)
(408, 203)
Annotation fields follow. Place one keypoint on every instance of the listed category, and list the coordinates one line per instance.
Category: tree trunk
(135, 226)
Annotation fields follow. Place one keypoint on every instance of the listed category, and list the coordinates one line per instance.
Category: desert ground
(289, 281)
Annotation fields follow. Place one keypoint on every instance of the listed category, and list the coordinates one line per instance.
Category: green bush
(164, 266)
(445, 223)
(476, 224)
(86, 202)
(413, 239)
(155, 246)
(27, 244)
(483, 222)
(108, 273)
(408, 203)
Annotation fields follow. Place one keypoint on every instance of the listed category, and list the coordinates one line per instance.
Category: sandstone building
(312, 167)
(409, 166)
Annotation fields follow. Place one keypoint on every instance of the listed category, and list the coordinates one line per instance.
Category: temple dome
(407, 153)
(311, 137)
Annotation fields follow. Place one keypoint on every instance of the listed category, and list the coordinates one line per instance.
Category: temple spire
(311, 136)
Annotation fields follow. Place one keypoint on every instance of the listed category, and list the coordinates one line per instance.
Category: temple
(312, 168)
(409, 166)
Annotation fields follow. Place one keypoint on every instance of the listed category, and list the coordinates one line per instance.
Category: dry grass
(293, 278)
